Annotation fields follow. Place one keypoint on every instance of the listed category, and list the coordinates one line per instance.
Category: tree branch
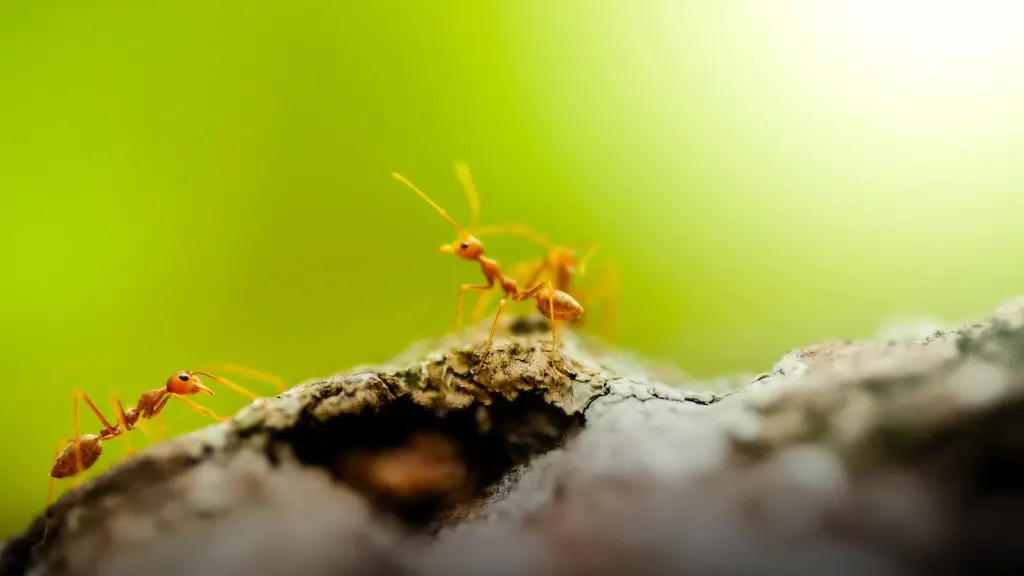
(848, 457)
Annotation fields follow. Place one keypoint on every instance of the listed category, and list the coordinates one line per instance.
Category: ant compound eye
(464, 245)
(183, 377)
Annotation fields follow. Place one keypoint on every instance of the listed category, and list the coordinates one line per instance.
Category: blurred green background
(187, 182)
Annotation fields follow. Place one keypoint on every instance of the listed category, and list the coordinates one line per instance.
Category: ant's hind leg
(554, 323)
(49, 492)
(79, 467)
(494, 324)
(78, 446)
(56, 454)
(550, 297)
(107, 426)
(122, 422)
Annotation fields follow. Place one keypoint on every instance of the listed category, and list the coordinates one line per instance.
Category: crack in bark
(500, 408)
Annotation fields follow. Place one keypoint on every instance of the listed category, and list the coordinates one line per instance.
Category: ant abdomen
(566, 308)
(67, 463)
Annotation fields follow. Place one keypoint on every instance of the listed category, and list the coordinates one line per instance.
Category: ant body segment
(563, 263)
(554, 304)
(83, 450)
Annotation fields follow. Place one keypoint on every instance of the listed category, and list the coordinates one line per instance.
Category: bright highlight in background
(946, 48)
(789, 171)
(915, 59)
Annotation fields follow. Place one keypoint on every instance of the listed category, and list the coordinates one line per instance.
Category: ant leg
(146, 430)
(198, 408)
(462, 292)
(79, 468)
(535, 276)
(494, 325)
(267, 377)
(159, 407)
(481, 305)
(107, 427)
(532, 293)
(161, 428)
(78, 446)
(517, 271)
(554, 323)
(56, 454)
(122, 422)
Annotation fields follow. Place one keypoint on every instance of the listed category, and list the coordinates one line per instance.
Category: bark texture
(896, 456)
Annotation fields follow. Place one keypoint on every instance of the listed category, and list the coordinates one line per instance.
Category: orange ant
(553, 304)
(561, 261)
(83, 450)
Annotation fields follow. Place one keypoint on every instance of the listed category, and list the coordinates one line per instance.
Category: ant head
(468, 247)
(186, 382)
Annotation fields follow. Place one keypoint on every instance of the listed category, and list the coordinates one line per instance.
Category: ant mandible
(83, 450)
(554, 304)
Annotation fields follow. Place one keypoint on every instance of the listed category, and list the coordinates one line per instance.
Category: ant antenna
(516, 230)
(582, 266)
(228, 383)
(442, 211)
(462, 171)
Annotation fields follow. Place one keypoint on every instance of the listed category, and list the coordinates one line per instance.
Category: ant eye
(183, 377)
(464, 245)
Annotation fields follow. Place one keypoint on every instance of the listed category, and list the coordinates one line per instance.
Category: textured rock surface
(884, 457)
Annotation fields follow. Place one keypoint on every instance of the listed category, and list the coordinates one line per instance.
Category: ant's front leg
(462, 292)
(202, 410)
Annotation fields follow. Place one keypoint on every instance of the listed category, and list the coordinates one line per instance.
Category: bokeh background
(193, 181)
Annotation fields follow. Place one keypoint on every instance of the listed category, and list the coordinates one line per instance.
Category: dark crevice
(978, 466)
(420, 465)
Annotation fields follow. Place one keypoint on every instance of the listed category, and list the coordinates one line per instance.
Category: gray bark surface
(896, 456)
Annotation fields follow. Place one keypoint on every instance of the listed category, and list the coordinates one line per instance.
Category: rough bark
(886, 457)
